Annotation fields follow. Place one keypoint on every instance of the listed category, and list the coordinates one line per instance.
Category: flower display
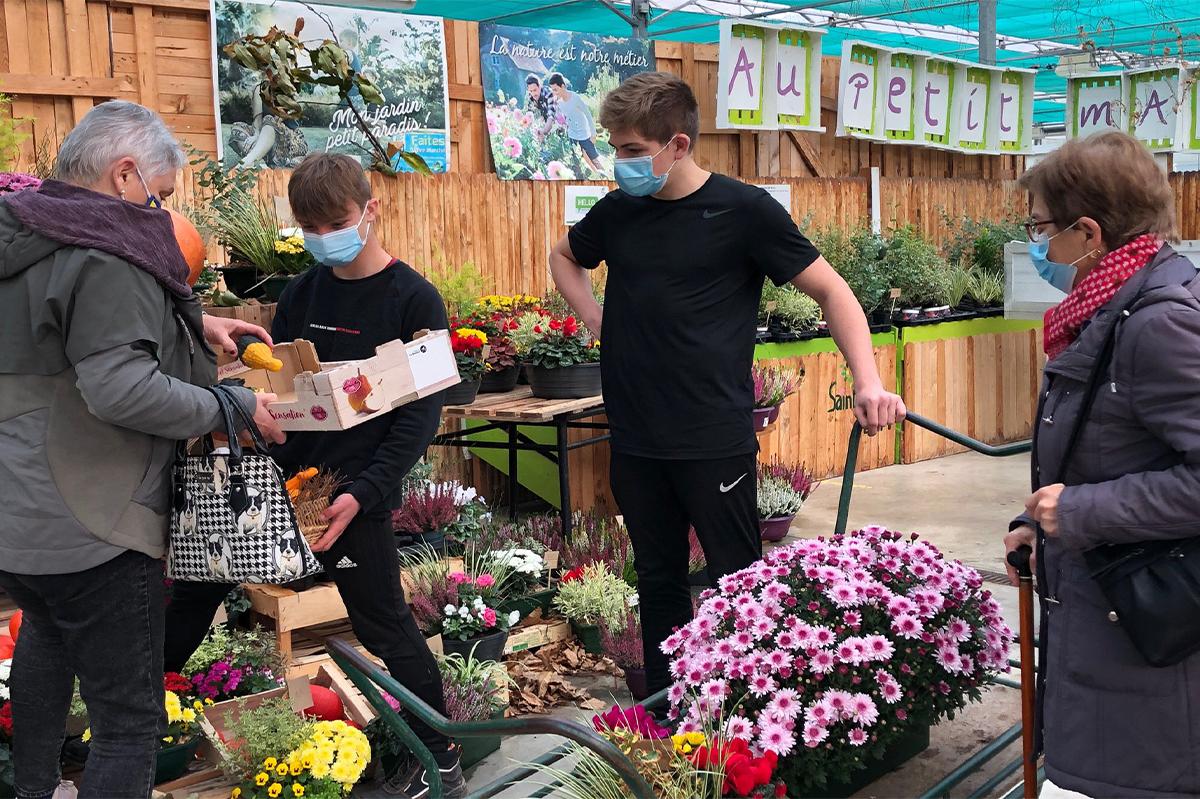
(18, 181)
(635, 719)
(233, 663)
(828, 648)
(327, 765)
(773, 384)
(470, 616)
(554, 342)
(782, 489)
(525, 565)
(226, 679)
(290, 255)
(598, 597)
(449, 507)
(469, 346)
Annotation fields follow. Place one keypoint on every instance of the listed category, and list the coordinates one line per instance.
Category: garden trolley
(370, 680)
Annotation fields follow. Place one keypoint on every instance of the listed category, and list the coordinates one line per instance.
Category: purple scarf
(145, 237)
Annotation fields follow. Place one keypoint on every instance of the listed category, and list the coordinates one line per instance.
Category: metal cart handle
(1000, 451)
(369, 679)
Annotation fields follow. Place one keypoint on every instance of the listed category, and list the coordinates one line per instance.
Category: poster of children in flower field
(404, 55)
(543, 90)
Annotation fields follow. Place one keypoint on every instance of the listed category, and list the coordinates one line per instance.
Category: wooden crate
(537, 635)
(979, 377)
(253, 312)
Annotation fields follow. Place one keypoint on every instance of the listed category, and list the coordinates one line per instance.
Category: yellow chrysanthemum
(87, 735)
(341, 772)
(347, 787)
(297, 790)
(320, 769)
(189, 715)
(325, 754)
(261, 779)
(274, 790)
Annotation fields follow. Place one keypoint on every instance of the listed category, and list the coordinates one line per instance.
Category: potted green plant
(856, 254)
(914, 265)
(787, 313)
(772, 385)
(562, 359)
(624, 646)
(591, 598)
(782, 491)
(470, 353)
(526, 590)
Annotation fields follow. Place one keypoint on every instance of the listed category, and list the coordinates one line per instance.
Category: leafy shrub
(791, 306)
(856, 255)
(978, 243)
(913, 264)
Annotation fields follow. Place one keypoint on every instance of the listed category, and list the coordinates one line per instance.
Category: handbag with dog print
(232, 520)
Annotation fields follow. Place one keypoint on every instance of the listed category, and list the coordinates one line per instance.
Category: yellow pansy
(261, 779)
(274, 790)
(87, 735)
(198, 705)
(208, 702)
(235, 793)
(282, 769)
(270, 763)
(297, 790)
(297, 769)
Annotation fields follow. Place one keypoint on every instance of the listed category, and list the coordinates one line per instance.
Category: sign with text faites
(909, 97)
(769, 77)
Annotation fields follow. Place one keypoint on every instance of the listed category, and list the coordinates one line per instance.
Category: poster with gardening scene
(401, 103)
(543, 90)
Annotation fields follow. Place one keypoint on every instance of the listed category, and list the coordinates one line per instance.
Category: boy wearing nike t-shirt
(687, 251)
(357, 298)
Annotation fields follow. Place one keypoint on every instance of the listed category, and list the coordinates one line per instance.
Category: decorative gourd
(190, 244)
(255, 353)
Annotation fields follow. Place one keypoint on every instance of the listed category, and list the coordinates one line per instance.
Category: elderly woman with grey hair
(104, 362)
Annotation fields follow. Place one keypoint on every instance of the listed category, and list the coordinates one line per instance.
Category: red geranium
(177, 683)
(6, 719)
(743, 772)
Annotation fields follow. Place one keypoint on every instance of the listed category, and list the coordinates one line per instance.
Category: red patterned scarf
(1064, 321)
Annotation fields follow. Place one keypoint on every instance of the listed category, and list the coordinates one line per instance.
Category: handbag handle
(247, 419)
(225, 402)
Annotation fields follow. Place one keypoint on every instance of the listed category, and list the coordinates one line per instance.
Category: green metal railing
(370, 679)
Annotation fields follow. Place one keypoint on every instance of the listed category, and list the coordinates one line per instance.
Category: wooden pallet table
(512, 414)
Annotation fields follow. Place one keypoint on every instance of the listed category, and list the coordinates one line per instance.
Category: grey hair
(114, 130)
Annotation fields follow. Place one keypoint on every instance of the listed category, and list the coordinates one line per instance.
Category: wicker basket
(308, 516)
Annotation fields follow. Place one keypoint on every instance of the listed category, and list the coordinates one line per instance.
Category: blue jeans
(106, 626)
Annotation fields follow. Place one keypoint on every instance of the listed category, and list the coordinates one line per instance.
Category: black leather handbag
(1153, 587)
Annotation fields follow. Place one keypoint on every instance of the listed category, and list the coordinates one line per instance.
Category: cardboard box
(315, 396)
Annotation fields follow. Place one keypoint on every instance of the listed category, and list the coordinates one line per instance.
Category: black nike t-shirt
(680, 311)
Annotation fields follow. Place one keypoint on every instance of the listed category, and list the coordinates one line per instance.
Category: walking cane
(1019, 560)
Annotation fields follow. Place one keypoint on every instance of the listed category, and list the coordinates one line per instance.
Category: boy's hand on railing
(877, 408)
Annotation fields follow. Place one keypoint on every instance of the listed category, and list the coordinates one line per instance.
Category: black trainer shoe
(413, 783)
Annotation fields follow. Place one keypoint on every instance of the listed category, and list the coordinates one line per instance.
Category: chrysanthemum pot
(914, 741)
(569, 382)
(775, 529)
(462, 394)
(486, 647)
(765, 417)
(499, 381)
(173, 761)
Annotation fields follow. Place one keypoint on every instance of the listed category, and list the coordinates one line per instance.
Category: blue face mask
(1061, 276)
(339, 247)
(636, 176)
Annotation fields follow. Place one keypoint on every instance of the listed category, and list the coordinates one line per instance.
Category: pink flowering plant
(827, 651)
(17, 181)
(469, 615)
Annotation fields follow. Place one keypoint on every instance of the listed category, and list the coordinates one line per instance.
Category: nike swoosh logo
(725, 489)
(711, 214)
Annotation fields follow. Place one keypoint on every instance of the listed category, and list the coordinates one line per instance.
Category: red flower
(743, 773)
(6, 726)
(570, 326)
(176, 683)
(555, 324)
(573, 574)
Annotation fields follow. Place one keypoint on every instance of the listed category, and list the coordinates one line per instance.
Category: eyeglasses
(1032, 224)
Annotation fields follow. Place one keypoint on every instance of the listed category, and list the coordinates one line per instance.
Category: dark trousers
(366, 568)
(661, 500)
(104, 625)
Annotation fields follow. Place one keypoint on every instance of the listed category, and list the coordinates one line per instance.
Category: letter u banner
(909, 97)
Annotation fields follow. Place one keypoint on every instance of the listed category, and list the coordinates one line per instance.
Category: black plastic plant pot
(462, 394)
(571, 382)
(499, 381)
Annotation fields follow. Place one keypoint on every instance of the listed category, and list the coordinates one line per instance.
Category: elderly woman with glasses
(1115, 466)
(104, 363)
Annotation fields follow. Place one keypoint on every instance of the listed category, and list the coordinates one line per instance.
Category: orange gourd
(190, 244)
(14, 625)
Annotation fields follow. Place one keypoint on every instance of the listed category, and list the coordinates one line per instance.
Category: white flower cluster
(522, 561)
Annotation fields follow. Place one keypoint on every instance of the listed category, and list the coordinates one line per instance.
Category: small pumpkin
(191, 244)
(255, 353)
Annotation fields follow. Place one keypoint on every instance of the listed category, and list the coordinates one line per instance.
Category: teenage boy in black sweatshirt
(357, 298)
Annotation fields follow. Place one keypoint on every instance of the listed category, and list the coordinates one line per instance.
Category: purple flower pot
(635, 680)
(765, 417)
(775, 529)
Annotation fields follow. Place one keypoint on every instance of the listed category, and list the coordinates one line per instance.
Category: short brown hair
(658, 105)
(323, 184)
(1110, 177)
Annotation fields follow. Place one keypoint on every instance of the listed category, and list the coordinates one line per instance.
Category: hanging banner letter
(1094, 104)
(794, 63)
(741, 72)
(899, 108)
(1154, 113)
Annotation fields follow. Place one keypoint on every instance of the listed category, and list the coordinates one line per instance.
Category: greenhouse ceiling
(1029, 33)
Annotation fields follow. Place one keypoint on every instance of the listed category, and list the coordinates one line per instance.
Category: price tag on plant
(894, 294)
(771, 306)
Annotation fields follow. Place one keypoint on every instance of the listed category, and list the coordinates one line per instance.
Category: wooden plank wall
(60, 56)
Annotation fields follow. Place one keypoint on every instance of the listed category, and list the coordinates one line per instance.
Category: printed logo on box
(319, 413)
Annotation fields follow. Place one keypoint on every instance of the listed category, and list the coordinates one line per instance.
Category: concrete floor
(962, 504)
